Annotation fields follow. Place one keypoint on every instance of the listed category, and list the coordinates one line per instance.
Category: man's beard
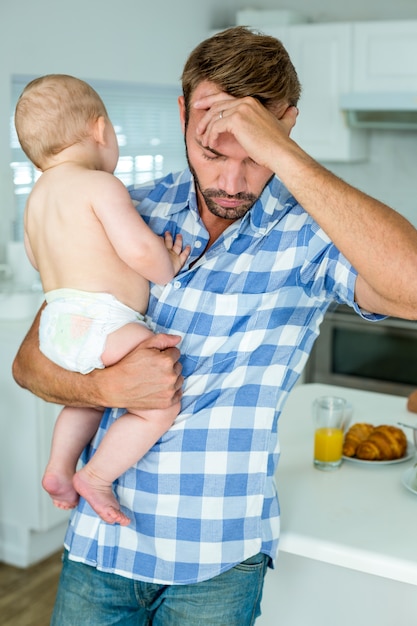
(232, 213)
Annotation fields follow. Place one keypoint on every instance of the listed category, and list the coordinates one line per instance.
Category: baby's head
(54, 112)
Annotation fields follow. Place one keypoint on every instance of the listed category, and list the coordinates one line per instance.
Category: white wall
(390, 172)
(148, 41)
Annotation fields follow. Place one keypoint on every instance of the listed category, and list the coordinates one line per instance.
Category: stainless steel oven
(376, 356)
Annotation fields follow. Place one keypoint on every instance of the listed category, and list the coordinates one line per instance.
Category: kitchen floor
(27, 595)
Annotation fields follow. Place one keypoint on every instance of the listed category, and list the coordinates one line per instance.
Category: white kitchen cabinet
(385, 56)
(322, 56)
(31, 528)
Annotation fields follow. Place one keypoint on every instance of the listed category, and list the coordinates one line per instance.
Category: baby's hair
(54, 112)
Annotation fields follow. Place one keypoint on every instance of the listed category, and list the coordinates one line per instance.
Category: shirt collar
(270, 207)
(267, 210)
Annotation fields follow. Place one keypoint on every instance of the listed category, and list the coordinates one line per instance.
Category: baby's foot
(100, 497)
(60, 488)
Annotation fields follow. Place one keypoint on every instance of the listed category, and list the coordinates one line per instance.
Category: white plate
(408, 455)
(409, 479)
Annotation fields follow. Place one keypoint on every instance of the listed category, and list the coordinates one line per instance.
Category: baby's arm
(134, 242)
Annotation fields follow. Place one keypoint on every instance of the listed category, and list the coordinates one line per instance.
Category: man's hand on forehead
(254, 127)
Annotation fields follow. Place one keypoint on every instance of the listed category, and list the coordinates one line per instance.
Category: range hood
(389, 110)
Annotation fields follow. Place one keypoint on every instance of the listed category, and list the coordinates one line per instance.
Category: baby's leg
(124, 340)
(73, 430)
(126, 441)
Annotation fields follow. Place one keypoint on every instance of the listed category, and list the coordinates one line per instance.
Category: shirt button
(197, 244)
(177, 284)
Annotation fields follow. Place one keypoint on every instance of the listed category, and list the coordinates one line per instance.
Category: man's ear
(99, 130)
(181, 106)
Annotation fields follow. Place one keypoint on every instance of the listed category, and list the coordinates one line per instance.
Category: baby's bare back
(76, 220)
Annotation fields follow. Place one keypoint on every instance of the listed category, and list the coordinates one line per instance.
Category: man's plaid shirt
(248, 309)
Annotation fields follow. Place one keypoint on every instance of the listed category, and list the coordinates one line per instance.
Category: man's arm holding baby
(147, 378)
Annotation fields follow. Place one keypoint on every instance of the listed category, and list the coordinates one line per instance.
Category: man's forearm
(379, 243)
(149, 377)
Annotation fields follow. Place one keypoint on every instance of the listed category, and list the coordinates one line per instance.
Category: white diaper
(75, 324)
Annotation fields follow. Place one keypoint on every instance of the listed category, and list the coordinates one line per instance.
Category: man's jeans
(87, 597)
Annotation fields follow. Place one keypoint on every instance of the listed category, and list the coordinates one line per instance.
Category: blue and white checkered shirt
(203, 498)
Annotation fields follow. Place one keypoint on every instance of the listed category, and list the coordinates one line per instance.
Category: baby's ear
(99, 128)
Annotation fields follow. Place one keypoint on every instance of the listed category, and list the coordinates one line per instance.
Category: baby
(95, 256)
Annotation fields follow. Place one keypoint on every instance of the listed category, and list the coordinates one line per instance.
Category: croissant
(354, 436)
(385, 443)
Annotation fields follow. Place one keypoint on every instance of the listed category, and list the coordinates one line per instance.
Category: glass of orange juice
(331, 415)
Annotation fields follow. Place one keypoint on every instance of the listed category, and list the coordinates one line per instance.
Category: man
(275, 239)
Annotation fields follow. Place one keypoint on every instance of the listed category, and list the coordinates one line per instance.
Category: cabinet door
(385, 56)
(19, 486)
(321, 54)
(26, 425)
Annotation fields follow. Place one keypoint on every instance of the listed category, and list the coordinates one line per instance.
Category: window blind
(146, 121)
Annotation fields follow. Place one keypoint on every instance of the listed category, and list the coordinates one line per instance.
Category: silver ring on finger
(221, 115)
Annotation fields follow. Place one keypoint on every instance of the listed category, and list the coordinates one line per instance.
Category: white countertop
(358, 516)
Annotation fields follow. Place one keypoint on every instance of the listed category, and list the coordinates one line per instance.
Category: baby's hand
(177, 254)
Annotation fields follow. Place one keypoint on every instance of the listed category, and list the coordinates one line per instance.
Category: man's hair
(54, 112)
(243, 62)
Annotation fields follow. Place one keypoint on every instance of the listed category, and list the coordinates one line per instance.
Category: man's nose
(232, 178)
